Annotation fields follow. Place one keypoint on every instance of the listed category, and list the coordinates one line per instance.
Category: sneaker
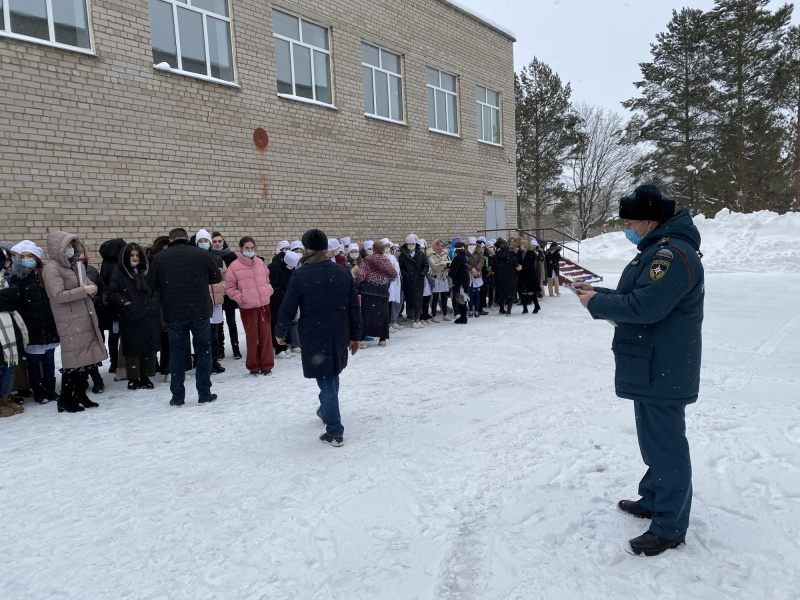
(333, 441)
(266, 372)
(99, 388)
(176, 402)
(436, 320)
(447, 318)
(416, 325)
(135, 384)
(284, 354)
(362, 344)
(320, 414)
(254, 373)
(392, 329)
(635, 508)
(167, 378)
(206, 399)
(296, 350)
(483, 313)
(398, 326)
(236, 354)
(146, 383)
(650, 544)
(382, 343)
(217, 368)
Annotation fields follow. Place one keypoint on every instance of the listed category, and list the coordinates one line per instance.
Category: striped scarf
(8, 339)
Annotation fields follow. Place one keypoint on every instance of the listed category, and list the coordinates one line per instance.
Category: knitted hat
(28, 246)
(296, 245)
(368, 244)
(333, 245)
(291, 259)
(411, 239)
(282, 244)
(646, 203)
(352, 248)
(315, 239)
(202, 235)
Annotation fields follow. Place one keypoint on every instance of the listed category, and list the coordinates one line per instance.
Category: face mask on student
(69, 253)
(249, 254)
(354, 255)
(134, 264)
(30, 263)
(204, 245)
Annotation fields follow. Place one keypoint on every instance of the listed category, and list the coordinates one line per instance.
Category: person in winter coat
(553, 262)
(110, 251)
(372, 283)
(139, 316)
(102, 312)
(248, 285)
(439, 262)
(506, 267)
(13, 339)
(460, 274)
(220, 248)
(353, 260)
(34, 307)
(528, 282)
(82, 344)
(179, 277)
(477, 271)
(279, 276)
(395, 287)
(217, 292)
(330, 323)
(490, 252)
(657, 308)
(413, 267)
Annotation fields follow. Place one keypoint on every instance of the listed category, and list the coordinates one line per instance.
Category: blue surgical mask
(28, 262)
(248, 254)
(632, 237)
(69, 252)
(15, 259)
(204, 245)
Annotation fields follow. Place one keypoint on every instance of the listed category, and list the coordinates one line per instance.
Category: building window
(383, 83)
(193, 37)
(58, 22)
(302, 58)
(488, 115)
(442, 101)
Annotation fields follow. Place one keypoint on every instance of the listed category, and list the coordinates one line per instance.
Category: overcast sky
(596, 45)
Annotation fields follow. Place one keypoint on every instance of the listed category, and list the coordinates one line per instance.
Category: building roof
(481, 19)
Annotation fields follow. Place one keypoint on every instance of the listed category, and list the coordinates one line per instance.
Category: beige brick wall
(107, 146)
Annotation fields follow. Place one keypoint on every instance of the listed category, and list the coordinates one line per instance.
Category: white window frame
(389, 74)
(493, 109)
(447, 104)
(187, 4)
(312, 49)
(51, 27)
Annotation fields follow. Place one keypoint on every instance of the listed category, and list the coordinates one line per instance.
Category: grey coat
(73, 310)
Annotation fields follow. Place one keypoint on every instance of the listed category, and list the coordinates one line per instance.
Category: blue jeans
(329, 400)
(474, 299)
(6, 378)
(48, 360)
(179, 329)
(294, 334)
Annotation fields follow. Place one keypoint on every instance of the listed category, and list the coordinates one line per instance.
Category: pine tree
(789, 84)
(546, 134)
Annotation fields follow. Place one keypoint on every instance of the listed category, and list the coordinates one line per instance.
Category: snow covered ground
(482, 462)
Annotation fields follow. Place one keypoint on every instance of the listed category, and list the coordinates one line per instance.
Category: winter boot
(8, 402)
(462, 312)
(82, 387)
(39, 391)
(68, 401)
(524, 305)
(236, 354)
(6, 411)
(650, 544)
(217, 368)
(146, 383)
(50, 388)
(135, 384)
(508, 308)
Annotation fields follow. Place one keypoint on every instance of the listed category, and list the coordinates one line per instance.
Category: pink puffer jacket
(247, 282)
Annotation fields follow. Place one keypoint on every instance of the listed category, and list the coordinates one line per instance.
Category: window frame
(389, 74)
(455, 94)
(491, 107)
(311, 49)
(187, 4)
(7, 33)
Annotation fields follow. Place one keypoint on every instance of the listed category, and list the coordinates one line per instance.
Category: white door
(495, 218)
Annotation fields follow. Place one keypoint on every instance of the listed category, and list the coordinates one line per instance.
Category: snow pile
(756, 242)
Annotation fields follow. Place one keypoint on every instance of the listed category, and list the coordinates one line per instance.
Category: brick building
(129, 118)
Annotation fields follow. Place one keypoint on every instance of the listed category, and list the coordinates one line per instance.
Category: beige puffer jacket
(81, 341)
(217, 290)
(439, 263)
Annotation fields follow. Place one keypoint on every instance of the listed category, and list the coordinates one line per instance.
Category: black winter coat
(34, 306)
(109, 252)
(330, 316)
(139, 314)
(459, 272)
(227, 257)
(505, 276)
(179, 278)
(552, 262)
(279, 275)
(528, 279)
(104, 313)
(413, 271)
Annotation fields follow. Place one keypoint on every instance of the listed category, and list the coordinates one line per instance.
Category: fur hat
(28, 246)
(315, 239)
(646, 203)
(291, 259)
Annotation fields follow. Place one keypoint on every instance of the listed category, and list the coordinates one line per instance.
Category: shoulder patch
(665, 253)
(663, 241)
(634, 262)
(658, 268)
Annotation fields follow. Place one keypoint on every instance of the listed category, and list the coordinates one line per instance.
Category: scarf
(376, 268)
(314, 256)
(8, 339)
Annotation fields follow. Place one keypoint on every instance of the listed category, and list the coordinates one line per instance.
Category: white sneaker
(392, 329)
(167, 378)
(447, 318)
(284, 354)
(398, 327)
(295, 350)
(417, 325)
(436, 320)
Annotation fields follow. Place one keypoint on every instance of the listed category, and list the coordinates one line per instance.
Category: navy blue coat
(330, 316)
(658, 309)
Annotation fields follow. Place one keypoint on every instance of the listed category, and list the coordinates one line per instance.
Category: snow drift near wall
(759, 242)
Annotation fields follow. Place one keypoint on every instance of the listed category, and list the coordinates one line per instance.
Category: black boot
(650, 544)
(236, 354)
(82, 387)
(68, 401)
(462, 311)
(39, 391)
(146, 383)
(217, 368)
(508, 307)
(135, 384)
(524, 305)
(50, 388)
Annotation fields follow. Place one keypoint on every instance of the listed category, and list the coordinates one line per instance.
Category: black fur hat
(315, 239)
(646, 203)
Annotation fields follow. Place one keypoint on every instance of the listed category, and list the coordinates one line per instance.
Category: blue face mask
(632, 237)
(15, 259)
(69, 252)
(249, 254)
(204, 245)
(28, 262)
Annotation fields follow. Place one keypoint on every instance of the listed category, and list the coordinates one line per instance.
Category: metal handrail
(538, 233)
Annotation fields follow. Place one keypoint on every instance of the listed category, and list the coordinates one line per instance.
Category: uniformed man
(658, 312)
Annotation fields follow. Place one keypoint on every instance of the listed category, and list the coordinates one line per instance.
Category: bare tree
(599, 171)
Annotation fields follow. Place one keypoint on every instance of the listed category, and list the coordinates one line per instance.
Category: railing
(566, 241)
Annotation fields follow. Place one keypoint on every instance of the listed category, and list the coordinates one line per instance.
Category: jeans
(179, 329)
(329, 401)
(47, 360)
(294, 334)
(6, 378)
(474, 299)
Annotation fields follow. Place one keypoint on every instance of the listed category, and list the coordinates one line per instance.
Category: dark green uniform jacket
(658, 309)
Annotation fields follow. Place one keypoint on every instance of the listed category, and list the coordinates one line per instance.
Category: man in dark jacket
(179, 278)
(658, 312)
(330, 322)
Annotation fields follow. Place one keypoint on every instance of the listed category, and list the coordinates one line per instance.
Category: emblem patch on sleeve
(658, 268)
(665, 253)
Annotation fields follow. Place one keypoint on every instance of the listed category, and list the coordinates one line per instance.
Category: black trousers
(233, 331)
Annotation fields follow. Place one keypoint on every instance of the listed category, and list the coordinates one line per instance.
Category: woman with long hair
(372, 282)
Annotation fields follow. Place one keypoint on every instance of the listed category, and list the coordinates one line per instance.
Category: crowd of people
(163, 308)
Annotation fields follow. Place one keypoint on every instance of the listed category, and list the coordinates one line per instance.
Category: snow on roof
(488, 22)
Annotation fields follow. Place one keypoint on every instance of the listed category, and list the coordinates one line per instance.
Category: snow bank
(756, 242)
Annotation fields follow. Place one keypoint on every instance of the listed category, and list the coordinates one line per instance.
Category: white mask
(471, 248)
(69, 252)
